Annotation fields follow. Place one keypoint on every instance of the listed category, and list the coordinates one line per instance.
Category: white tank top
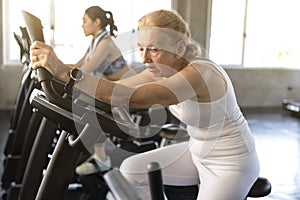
(220, 123)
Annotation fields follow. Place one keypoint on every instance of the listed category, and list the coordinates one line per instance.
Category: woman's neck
(97, 33)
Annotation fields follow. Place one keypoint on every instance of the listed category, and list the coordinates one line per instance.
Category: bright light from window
(270, 29)
(272, 33)
(13, 17)
(67, 37)
(226, 42)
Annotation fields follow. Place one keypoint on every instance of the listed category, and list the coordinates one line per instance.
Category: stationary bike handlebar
(46, 80)
(117, 117)
(49, 86)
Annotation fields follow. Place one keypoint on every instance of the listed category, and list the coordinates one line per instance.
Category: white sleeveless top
(219, 124)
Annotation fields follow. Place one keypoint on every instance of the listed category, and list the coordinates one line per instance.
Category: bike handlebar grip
(45, 79)
(155, 181)
(43, 74)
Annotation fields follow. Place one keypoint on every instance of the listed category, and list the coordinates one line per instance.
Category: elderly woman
(220, 154)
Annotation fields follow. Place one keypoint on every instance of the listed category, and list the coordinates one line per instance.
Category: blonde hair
(172, 20)
(169, 19)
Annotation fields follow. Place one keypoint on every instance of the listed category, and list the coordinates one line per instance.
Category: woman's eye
(150, 49)
(153, 49)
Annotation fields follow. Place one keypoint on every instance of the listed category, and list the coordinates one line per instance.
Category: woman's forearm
(62, 71)
(104, 90)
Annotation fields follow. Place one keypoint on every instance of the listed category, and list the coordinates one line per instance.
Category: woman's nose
(146, 58)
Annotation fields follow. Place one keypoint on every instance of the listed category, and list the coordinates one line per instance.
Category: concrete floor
(277, 135)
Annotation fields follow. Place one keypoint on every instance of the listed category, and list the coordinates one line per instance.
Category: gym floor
(277, 135)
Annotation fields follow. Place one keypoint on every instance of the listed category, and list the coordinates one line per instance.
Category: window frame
(250, 57)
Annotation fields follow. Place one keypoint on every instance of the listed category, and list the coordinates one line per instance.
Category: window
(13, 19)
(62, 22)
(256, 33)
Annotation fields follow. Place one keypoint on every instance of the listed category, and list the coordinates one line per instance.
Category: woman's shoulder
(106, 39)
(204, 64)
(108, 42)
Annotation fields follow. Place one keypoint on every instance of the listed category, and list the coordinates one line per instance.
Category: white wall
(9, 83)
(265, 87)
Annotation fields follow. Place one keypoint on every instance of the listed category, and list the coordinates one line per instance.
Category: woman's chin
(154, 72)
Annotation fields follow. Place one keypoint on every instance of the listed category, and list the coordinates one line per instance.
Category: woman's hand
(43, 55)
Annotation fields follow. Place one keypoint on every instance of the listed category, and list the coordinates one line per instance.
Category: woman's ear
(98, 22)
(181, 47)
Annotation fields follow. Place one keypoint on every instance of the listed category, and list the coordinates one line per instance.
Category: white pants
(220, 179)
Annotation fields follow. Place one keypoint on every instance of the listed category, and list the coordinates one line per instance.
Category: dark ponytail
(106, 18)
(111, 23)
